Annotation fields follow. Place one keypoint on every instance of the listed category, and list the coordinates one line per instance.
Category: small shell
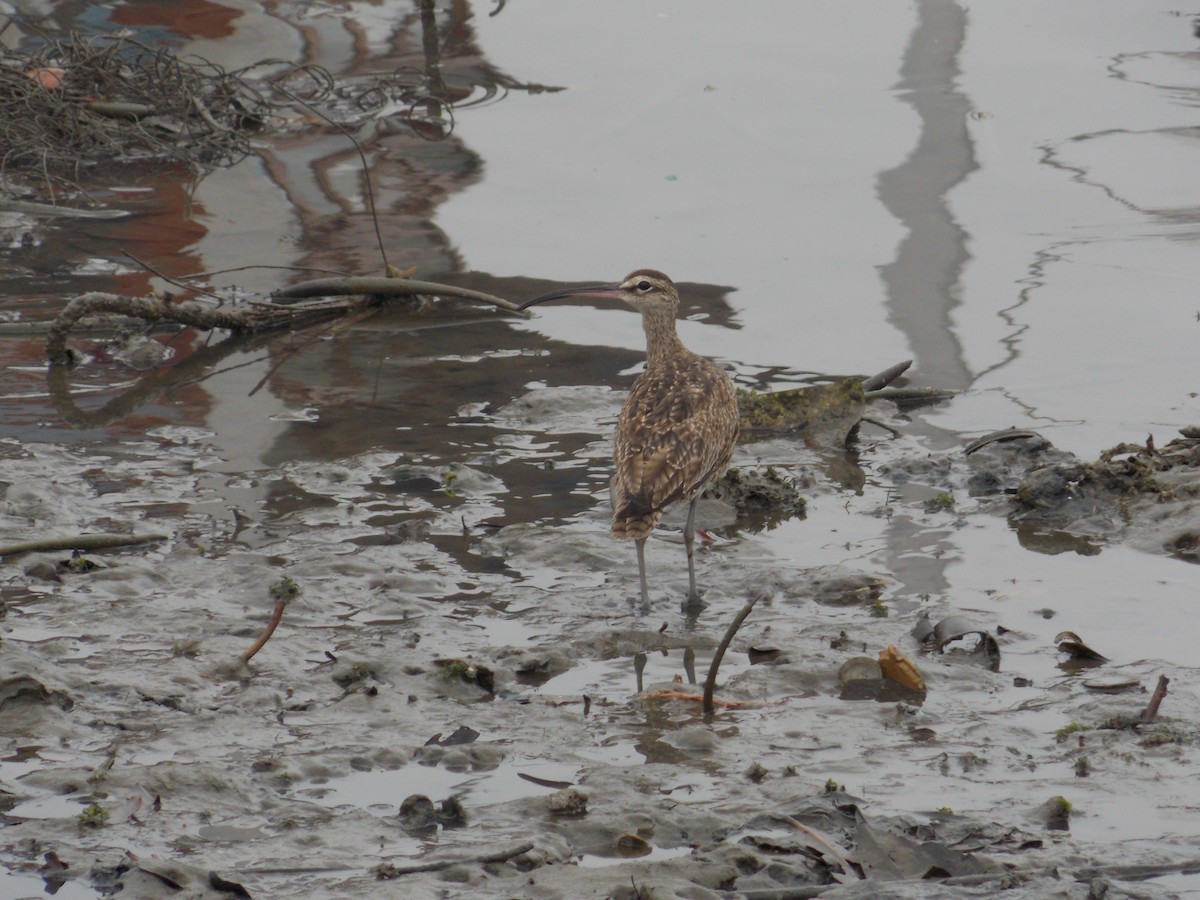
(632, 845)
(899, 668)
(859, 668)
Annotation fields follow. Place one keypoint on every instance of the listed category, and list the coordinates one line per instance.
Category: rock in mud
(1055, 814)
(828, 410)
(567, 803)
(417, 814)
(763, 497)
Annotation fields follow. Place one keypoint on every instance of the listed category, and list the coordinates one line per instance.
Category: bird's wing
(674, 432)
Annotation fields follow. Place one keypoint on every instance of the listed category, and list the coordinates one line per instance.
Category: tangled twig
(113, 98)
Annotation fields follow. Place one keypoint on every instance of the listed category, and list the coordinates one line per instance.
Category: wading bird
(678, 427)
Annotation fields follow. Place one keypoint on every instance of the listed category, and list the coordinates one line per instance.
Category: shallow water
(998, 192)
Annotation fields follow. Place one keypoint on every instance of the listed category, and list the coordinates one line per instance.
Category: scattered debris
(1080, 653)
(110, 98)
(463, 734)
(956, 628)
(900, 669)
(889, 678)
(469, 672)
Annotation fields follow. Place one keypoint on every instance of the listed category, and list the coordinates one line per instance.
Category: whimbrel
(678, 427)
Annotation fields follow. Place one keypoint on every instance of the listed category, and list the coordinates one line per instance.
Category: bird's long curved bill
(597, 290)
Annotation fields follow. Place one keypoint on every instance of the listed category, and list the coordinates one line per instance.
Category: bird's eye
(643, 286)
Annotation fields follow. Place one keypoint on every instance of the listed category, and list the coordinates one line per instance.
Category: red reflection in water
(188, 19)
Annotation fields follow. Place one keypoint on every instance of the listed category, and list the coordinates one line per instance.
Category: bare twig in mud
(849, 866)
(282, 591)
(1008, 434)
(197, 315)
(639, 666)
(80, 542)
(697, 698)
(1151, 711)
(710, 683)
(388, 871)
(387, 287)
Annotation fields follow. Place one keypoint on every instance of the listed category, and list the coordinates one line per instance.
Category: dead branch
(254, 317)
(1150, 713)
(276, 616)
(710, 683)
(886, 377)
(848, 866)
(80, 542)
(388, 872)
(385, 287)
(283, 591)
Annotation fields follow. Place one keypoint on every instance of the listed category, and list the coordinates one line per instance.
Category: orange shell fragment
(899, 668)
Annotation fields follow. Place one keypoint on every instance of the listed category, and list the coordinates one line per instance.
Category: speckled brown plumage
(679, 426)
(676, 433)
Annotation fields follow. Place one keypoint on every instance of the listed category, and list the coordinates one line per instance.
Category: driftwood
(387, 871)
(80, 542)
(348, 295)
(254, 317)
(1150, 713)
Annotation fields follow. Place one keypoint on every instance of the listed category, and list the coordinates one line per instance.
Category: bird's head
(645, 290)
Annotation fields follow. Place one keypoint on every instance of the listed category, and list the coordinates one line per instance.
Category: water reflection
(923, 280)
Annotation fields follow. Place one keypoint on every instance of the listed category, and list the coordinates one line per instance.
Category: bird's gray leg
(689, 543)
(641, 557)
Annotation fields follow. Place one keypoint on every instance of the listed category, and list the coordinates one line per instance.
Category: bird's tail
(631, 520)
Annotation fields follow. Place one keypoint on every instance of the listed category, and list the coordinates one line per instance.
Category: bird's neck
(661, 340)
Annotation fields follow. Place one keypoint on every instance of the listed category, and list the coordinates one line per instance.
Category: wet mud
(951, 680)
(437, 696)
